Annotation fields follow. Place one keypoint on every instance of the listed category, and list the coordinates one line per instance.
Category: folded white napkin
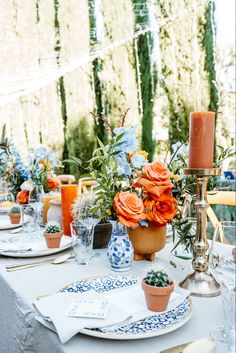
(132, 300)
(125, 304)
(56, 306)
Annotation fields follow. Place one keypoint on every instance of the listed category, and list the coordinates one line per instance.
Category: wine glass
(225, 232)
(36, 202)
(224, 268)
(88, 214)
(225, 334)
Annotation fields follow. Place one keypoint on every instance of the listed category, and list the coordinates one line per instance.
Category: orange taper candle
(68, 195)
(201, 140)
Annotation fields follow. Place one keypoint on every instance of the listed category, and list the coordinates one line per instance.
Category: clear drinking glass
(225, 232)
(29, 217)
(82, 242)
(226, 333)
(36, 201)
(87, 215)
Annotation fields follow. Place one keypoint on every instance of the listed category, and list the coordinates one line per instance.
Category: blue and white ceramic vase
(120, 250)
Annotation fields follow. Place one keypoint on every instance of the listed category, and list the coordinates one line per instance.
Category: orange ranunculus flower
(162, 211)
(155, 180)
(23, 197)
(53, 183)
(129, 208)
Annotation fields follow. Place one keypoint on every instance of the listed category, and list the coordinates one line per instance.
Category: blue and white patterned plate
(155, 325)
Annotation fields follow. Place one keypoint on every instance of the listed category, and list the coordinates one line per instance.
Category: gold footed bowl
(147, 241)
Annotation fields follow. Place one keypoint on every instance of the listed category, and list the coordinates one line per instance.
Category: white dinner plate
(5, 209)
(156, 325)
(6, 224)
(29, 245)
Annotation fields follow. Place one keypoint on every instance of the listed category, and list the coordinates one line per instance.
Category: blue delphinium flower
(138, 160)
(129, 140)
(123, 165)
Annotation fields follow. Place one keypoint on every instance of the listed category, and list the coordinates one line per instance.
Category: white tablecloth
(21, 333)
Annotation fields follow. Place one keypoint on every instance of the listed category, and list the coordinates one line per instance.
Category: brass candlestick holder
(201, 283)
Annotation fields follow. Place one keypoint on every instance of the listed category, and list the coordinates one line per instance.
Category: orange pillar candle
(201, 140)
(68, 195)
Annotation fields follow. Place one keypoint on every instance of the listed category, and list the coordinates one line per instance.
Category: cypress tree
(144, 45)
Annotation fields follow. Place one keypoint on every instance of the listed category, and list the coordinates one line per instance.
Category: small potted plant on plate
(157, 289)
(15, 215)
(53, 234)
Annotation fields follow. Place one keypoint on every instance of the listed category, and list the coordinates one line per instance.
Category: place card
(91, 308)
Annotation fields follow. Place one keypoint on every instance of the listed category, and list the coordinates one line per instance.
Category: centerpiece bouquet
(129, 190)
(21, 175)
(42, 164)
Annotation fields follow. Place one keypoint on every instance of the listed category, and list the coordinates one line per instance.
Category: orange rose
(23, 197)
(162, 211)
(53, 183)
(129, 208)
(155, 180)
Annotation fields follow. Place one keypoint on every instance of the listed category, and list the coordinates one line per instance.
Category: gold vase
(147, 241)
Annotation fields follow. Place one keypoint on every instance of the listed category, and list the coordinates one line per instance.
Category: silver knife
(176, 349)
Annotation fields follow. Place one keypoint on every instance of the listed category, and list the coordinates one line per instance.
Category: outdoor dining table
(20, 332)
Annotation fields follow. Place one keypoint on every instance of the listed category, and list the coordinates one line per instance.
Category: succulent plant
(53, 227)
(157, 279)
(15, 209)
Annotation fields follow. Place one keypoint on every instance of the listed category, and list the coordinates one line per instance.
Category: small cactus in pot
(157, 289)
(15, 215)
(53, 234)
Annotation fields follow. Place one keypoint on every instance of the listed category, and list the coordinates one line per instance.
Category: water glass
(87, 215)
(226, 333)
(29, 218)
(82, 242)
(36, 201)
(225, 232)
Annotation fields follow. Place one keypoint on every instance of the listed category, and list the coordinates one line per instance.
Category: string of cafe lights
(12, 88)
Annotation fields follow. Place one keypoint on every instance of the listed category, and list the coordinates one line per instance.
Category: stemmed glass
(224, 268)
(88, 214)
(226, 333)
(225, 232)
(36, 202)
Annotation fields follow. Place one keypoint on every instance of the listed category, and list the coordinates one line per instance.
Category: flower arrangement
(12, 166)
(38, 169)
(130, 189)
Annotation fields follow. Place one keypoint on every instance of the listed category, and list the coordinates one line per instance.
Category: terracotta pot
(157, 298)
(53, 240)
(147, 240)
(15, 218)
(102, 235)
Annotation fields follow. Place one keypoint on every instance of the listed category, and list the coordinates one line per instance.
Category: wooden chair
(66, 178)
(226, 198)
(85, 186)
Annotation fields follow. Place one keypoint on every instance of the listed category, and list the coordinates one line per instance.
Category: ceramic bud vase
(120, 250)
